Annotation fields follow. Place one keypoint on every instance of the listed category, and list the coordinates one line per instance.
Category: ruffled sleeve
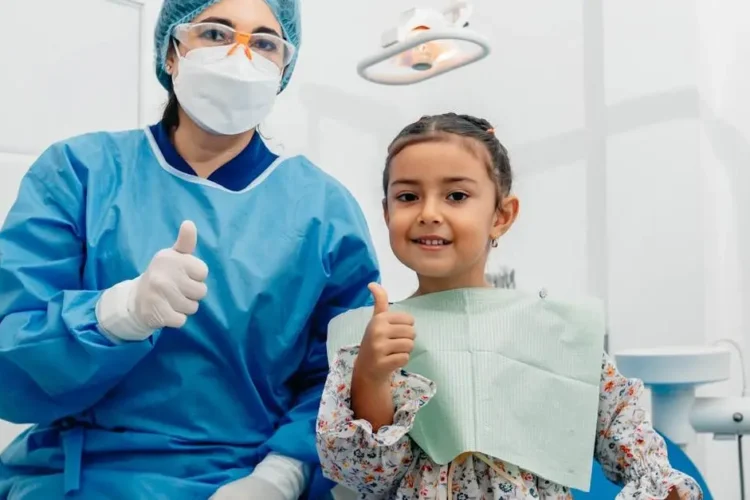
(350, 453)
(629, 450)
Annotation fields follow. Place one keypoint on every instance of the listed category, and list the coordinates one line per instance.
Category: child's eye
(407, 197)
(458, 196)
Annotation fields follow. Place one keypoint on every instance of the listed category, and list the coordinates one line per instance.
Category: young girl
(447, 183)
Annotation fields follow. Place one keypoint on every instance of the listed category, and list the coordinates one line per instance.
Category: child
(447, 184)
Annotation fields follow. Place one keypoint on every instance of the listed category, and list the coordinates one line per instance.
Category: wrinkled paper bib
(517, 377)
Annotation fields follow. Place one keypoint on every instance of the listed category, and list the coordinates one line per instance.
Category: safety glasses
(203, 35)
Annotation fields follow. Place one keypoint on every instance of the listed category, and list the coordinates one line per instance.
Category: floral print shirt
(389, 465)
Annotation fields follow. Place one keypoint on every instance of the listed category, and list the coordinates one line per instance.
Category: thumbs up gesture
(388, 340)
(169, 291)
(187, 238)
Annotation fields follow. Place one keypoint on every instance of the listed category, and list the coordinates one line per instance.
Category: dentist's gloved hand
(249, 488)
(276, 477)
(163, 296)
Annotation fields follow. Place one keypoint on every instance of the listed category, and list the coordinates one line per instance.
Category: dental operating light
(425, 43)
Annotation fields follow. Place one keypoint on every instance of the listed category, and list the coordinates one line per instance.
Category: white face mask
(226, 94)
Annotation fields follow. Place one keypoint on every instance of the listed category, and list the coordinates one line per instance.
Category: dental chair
(603, 489)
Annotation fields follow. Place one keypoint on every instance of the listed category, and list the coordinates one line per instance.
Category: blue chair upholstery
(603, 489)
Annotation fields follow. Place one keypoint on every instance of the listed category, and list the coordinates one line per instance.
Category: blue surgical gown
(189, 409)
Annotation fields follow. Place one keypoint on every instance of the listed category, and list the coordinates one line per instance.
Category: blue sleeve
(54, 360)
(352, 265)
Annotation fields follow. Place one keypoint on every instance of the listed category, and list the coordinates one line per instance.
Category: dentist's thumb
(187, 239)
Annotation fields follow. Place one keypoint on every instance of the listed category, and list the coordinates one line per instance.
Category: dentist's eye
(214, 35)
(263, 45)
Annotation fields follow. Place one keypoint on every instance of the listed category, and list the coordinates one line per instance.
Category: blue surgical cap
(174, 12)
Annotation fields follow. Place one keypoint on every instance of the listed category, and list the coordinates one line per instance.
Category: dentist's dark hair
(171, 116)
(478, 131)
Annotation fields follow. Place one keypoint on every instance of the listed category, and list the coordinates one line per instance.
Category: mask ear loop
(179, 58)
(176, 48)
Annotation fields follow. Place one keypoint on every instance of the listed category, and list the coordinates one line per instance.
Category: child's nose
(430, 214)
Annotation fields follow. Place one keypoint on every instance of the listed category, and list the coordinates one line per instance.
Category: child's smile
(441, 210)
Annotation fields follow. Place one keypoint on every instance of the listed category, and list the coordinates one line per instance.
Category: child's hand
(388, 340)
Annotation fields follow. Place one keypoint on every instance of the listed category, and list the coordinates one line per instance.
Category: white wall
(628, 127)
(724, 78)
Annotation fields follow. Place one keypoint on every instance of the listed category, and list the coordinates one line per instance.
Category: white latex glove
(163, 296)
(249, 488)
(276, 477)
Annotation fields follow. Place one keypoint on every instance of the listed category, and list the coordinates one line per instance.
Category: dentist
(165, 293)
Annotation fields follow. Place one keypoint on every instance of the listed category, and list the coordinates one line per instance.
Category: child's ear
(386, 217)
(505, 216)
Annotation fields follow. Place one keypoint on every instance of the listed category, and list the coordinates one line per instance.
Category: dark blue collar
(235, 175)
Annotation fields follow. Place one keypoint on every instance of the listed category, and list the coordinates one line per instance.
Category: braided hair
(441, 127)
